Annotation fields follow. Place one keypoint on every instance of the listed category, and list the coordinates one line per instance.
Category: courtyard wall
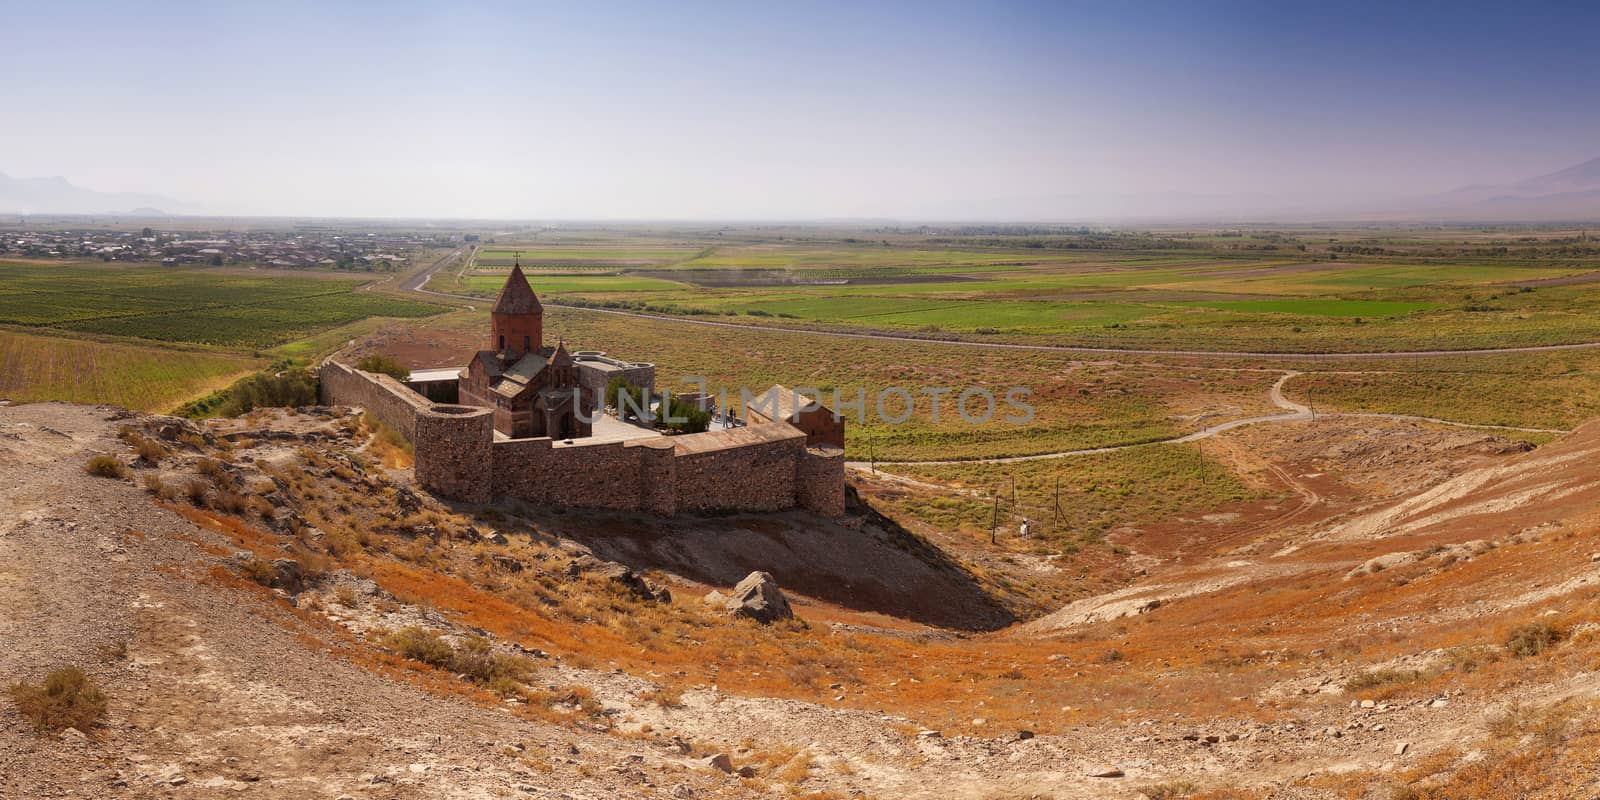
(762, 467)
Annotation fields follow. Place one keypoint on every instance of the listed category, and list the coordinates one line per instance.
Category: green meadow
(226, 309)
(1190, 290)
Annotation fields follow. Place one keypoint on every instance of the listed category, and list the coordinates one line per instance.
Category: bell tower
(517, 321)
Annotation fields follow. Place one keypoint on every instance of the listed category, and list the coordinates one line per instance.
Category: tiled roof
(517, 297)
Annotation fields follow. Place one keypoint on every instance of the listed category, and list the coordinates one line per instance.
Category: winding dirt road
(1293, 412)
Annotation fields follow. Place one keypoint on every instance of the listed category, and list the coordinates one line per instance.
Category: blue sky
(750, 110)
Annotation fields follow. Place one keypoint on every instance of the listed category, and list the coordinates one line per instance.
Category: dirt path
(1295, 412)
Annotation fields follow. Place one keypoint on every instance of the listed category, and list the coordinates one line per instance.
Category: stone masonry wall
(757, 468)
(454, 452)
(578, 476)
(382, 396)
(746, 476)
(819, 481)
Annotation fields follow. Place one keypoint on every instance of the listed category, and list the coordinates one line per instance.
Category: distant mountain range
(1569, 194)
(58, 196)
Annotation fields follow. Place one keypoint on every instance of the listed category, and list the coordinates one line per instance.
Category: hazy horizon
(721, 111)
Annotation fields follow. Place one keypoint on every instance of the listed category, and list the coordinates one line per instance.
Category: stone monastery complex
(529, 424)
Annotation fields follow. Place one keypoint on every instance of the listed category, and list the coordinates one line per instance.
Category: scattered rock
(759, 598)
(1024, 735)
(633, 582)
(1400, 748)
(73, 735)
(1105, 772)
(929, 735)
(286, 575)
(720, 762)
(747, 771)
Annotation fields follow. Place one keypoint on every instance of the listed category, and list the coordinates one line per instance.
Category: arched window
(527, 342)
(502, 342)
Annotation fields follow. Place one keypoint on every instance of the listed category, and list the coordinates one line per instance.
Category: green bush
(384, 365)
(685, 417)
(422, 645)
(625, 397)
(66, 699)
(282, 385)
(474, 658)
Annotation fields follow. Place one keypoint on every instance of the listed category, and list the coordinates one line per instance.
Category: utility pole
(994, 519)
(1058, 500)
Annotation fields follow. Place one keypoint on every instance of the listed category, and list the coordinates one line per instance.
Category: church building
(533, 389)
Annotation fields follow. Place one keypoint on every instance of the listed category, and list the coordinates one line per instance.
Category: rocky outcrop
(759, 598)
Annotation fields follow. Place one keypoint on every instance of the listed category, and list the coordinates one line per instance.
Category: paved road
(419, 280)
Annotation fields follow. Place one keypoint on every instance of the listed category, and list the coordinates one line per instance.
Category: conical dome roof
(517, 297)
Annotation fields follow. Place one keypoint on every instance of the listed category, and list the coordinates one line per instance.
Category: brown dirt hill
(1442, 645)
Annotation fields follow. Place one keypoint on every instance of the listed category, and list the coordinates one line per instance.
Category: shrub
(106, 467)
(1533, 639)
(66, 699)
(1471, 658)
(422, 645)
(384, 365)
(626, 398)
(261, 571)
(149, 450)
(667, 695)
(153, 484)
(474, 658)
(685, 417)
(282, 384)
(211, 468)
(1379, 678)
(197, 490)
(1170, 791)
(231, 502)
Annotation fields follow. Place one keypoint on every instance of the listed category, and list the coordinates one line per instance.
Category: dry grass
(1366, 683)
(106, 467)
(1533, 639)
(66, 699)
(388, 445)
(197, 491)
(473, 658)
(259, 570)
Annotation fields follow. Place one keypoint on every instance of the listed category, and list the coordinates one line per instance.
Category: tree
(626, 398)
(385, 365)
(685, 417)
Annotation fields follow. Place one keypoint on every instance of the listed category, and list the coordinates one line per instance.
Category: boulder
(633, 582)
(759, 598)
(286, 575)
(720, 762)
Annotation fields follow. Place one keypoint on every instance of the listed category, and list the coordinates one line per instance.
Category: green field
(185, 305)
(1218, 290)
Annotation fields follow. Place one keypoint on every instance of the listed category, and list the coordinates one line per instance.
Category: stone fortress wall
(762, 467)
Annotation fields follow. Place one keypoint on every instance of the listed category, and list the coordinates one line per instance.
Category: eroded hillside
(273, 609)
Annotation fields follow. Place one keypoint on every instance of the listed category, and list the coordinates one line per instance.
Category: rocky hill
(271, 609)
